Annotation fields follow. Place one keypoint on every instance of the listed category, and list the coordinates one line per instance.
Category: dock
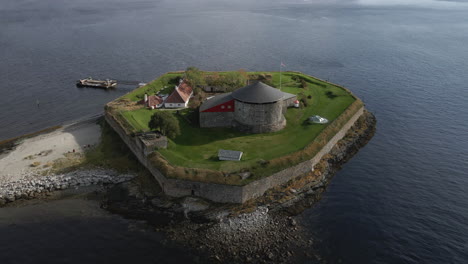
(107, 84)
(89, 82)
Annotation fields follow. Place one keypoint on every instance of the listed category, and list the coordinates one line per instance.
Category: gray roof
(258, 93)
(224, 154)
(219, 99)
(288, 96)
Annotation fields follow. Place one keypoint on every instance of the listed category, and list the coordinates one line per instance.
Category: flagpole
(281, 66)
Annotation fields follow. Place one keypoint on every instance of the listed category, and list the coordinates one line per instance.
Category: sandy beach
(37, 153)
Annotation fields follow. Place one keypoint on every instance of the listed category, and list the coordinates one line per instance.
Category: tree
(234, 80)
(166, 122)
(195, 77)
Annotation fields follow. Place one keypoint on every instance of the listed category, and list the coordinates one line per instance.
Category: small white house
(180, 97)
(296, 103)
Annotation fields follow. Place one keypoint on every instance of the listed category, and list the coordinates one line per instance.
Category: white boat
(318, 119)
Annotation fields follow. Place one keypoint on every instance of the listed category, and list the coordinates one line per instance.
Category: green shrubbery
(166, 122)
(228, 81)
(330, 94)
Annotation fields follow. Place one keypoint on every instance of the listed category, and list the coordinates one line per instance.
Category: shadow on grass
(193, 135)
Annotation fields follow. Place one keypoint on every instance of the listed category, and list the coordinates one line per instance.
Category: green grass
(164, 83)
(138, 119)
(198, 147)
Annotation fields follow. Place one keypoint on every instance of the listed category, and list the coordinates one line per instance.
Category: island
(221, 162)
(234, 135)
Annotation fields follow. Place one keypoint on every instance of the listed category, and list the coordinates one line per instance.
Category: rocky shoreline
(259, 231)
(33, 185)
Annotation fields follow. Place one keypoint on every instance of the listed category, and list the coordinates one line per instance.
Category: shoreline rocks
(255, 237)
(33, 185)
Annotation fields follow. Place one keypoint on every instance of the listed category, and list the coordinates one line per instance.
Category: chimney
(146, 98)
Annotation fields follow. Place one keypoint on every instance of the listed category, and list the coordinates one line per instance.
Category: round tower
(259, 108)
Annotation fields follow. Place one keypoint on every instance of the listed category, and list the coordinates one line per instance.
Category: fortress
(256, 108)
(190, 164)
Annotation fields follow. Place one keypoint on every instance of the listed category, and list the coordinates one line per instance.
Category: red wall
(224, 107)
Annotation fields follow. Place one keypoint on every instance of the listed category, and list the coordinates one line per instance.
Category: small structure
(224, 154)
(155, 101)
(255, 108)
(318, 119)
(180, 97)
(150, 141)
(296, 103)
(152, 101)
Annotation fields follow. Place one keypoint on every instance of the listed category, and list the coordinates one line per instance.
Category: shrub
(166, 122)
(195, 77)
(330, 94)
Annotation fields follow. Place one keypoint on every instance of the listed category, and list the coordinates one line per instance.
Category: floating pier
(89, 82)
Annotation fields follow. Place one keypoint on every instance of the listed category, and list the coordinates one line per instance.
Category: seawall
(228, 193)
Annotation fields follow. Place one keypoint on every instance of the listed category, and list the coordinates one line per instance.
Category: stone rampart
(257, 129)
(227, 193)
(258, 114)
(289, 102)
(259, 187)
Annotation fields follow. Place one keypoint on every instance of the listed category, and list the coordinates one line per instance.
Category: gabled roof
(174, 98)
(154, 100)
(217, 100)
(181, 93)
(258, 93)
(185, 90)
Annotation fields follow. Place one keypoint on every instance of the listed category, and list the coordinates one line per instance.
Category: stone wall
(258, 188)
(149, 145)
(256, 129)
(216, 119)
(258, 114)
(290, 102)
(227, 193)
(174, 187)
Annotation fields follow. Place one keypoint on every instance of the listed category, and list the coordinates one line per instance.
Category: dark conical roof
(258, 93)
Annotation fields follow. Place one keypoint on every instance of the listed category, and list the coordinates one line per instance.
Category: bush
(195, 78)
(330, 94)
(166, 122)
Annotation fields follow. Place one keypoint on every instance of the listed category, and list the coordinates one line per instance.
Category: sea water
(402, 199)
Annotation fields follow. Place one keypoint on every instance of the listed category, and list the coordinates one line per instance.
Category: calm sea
(401, 199)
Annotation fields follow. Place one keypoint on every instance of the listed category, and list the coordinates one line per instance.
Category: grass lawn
(164, 83)
(198, 147)
(139, 119)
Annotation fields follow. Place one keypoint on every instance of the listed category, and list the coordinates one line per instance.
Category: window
(222, 107)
